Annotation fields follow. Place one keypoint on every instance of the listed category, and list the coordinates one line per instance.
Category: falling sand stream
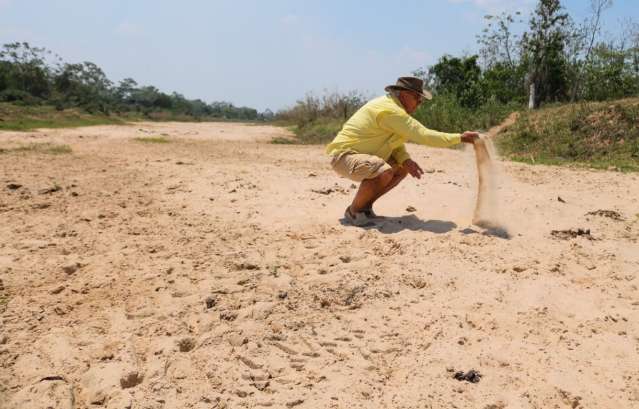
(486, 214)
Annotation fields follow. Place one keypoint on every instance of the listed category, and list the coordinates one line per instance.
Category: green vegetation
(24, 118)
(601, 135)
(44, 148)
(320, 131)
(27, 117)
(278, 140)
(318, 119)
(551, 61)
(152, 139)
(33, 77)
(57, 122)
(557, 67)
(445, 114)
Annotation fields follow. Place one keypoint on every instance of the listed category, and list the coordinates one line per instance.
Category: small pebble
(71, 268)
(210, 302)
(58, 290)
(471, 376)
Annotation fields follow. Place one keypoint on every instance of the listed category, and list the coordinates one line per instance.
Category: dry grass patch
(152, 139)
(597, 134)
(26, 118)
(43, 148)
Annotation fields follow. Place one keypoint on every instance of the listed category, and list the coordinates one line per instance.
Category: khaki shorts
(359, 166)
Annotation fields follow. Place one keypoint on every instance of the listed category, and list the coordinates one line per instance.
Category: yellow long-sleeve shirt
(382, 127)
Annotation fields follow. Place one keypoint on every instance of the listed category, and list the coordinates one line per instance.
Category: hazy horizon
(261, 55)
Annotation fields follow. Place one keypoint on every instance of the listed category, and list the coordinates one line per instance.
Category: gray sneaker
(358, 219)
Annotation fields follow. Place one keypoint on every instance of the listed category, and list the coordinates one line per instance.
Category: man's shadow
(389, 225)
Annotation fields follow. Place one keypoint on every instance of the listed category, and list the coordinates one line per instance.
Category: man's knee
(386, 177)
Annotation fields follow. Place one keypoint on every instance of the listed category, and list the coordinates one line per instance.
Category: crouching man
(370, 147)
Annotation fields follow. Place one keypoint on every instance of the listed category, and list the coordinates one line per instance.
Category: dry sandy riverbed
(213, 271)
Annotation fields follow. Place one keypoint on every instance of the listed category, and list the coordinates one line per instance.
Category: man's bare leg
(399, 174)
(370, 189)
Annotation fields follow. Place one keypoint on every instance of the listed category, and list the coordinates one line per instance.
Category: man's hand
(469, 137)
(413, 168)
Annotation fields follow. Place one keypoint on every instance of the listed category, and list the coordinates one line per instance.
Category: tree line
(543, 58)
(552, 59)
(35, 76)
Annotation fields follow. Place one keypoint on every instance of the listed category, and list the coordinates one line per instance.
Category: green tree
(504, 83)
(581, 41)
(460, 77)
(149, 97)
(27, 76)
(499, 44)
(609, 75)
(23, 68)
(84, 85)
(125, 89)
(504, 75)
(543, 53)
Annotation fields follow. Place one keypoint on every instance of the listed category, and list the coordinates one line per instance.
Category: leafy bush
(444, 113)
(322, 130)
(16, 95)
(318, 119)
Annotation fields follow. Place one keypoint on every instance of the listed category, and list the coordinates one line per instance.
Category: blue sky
(263, 54)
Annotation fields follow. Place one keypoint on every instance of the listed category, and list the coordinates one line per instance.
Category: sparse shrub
(45, 148)
(318, 119)
(152, 139)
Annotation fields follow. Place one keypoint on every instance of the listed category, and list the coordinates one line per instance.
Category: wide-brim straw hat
(413, 84)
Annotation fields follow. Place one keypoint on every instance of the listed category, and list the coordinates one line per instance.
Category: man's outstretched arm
(414, 131)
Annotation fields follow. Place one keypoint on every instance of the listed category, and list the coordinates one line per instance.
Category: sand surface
(214, 272)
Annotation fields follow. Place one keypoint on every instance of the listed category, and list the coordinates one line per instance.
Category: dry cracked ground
(214, 271)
